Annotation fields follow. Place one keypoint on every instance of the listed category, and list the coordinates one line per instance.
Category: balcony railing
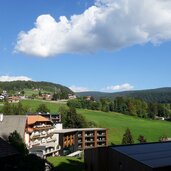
(89, 135)
(42, 127)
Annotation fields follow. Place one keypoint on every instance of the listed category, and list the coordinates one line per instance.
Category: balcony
(101, 134)
(101, 144)
(80, 147)
(89, 140)
(79, 135)
(89, 135)
(42, 127)
(89, 146)
(36, 142)
(101, 140)
(51, 139)
(52, 150)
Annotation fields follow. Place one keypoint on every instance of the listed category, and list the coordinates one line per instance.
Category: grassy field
(33, 104)
(29, 92)
(66, 163)
(117, 123)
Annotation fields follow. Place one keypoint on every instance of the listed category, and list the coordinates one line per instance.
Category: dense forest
(20, 85)
(125, 105)
(160, 95)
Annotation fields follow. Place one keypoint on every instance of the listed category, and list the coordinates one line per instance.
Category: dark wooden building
(138, 157)
(72, 140)
(8, 156)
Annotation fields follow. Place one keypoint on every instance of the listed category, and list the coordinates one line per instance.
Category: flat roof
(91, 129)
(153, 155)
(78, 129)
(65, 130)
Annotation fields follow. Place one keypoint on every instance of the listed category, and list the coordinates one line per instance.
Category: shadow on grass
(71, 165)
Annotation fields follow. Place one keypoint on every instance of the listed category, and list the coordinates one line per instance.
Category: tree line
(128, 106)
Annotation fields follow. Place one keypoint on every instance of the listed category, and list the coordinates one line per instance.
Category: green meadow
(32, 105)
(117, 123)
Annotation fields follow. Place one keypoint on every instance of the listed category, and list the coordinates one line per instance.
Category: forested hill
(46, 86)
(160, 95)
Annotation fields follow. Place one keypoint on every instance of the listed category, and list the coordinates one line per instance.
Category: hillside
(117, 123)
(160, 95)
(45, 86)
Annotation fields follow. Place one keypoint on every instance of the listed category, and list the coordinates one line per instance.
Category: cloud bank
(122, 87)
(14, 78)
(108, 25)
(78, 89)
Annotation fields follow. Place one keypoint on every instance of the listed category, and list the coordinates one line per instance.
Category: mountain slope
(160, 95)
(46, 86)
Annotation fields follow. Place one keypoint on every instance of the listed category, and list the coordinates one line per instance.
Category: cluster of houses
(13, 98)
(19, 96)
(44, 135)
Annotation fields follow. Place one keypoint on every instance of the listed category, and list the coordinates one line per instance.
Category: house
(40, 137)
(13, 99)
(72, 96)
(2, 97)
(136, 157)
(79, 139)
(36, 131)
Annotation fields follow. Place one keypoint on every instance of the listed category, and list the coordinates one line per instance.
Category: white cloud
(78, 89)
(122, 87)
(14, 78)
(109, 25)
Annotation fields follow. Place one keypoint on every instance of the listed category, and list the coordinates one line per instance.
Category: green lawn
(66, 163)
(33, 104)
(29, 92)
(117, 123)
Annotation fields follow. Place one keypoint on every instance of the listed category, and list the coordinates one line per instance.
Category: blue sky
(98, 45)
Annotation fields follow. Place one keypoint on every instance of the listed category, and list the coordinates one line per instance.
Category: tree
(152, 110)
(40, 93)
(75, 103)
(42, 108)
(74, 120)
(63, 111)
(16, 141)
(141, 139)
(55, 96)
(127, 137)
(20, 109)
(104, 104)
(22, 92)
(7, 109)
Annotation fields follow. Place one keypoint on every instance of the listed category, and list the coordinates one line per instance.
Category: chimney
(1, 117)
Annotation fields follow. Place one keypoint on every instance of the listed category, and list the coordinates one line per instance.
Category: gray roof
(10, 123)
(153, 155)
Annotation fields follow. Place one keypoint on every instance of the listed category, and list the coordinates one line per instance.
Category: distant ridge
(46, 86)
(158, 95)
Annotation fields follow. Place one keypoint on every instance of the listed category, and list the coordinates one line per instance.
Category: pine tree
(127, 137)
